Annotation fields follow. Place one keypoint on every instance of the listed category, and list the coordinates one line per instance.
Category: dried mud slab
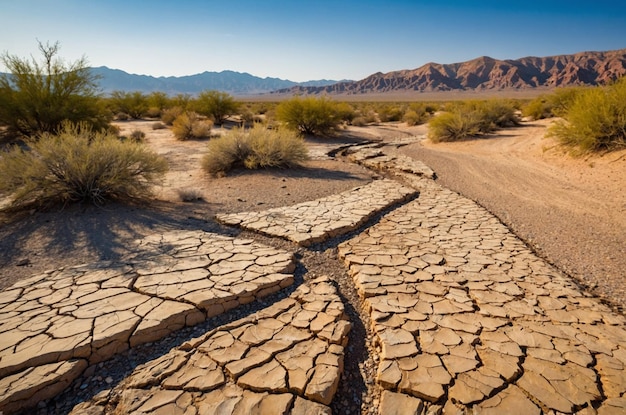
(54, 325)
(285, 359)
(318, 220)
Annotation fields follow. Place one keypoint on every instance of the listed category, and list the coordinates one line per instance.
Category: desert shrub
(497, 113)
(190, 195)
(135, 104)
(158, 101)
(454, 126)
(158, 126)
(189, 126)
(37, 97)
(170, 114)
(346, 112)
(78, 165)
(389, 113)
(417, 114)
(122, 116)
(254, 148)
(137, 135)
(153, 112)
(595, 119)
(216, 104)
(315, 116)
(537, 109)
(359, 121)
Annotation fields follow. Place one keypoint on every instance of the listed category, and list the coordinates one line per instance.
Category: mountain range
(485, 73)
(235, 83)
(480, 74)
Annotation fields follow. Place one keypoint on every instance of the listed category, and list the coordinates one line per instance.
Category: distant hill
(235, 83)
(485, 73)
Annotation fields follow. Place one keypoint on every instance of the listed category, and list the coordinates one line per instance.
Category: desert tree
(134, 104)
(216, 104)
(38, 96)
(309, 115)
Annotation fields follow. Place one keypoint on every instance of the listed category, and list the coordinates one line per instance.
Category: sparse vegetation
(37, 97)
(134, 104)
(550, 105)
(170, 114)
(254, 148)
(78, 165)
(217, 105)
(137, 135)
(313, 116)
(418, 113)
(190, 125)
(190, 195)
(467, 119)
(594, 120)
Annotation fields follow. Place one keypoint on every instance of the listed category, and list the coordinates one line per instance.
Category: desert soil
(572, 211)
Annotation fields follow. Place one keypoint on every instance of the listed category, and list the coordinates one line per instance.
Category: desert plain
(569, 212)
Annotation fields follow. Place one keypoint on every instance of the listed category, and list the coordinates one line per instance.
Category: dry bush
(137, 136)
(189, 126)
(78, 165)
(190, 195)
(254, 148)
(158, 126)
(170, 114)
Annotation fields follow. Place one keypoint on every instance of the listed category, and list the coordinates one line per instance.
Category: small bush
(314, 116)
(595, 120)
(78, 165)
(254, 148)
(190, 195)
(189, 126)
(170, 114)
(453, 126)
(158, 126)
(137, 136)
(122, 116)
(390, 113)
(417, 114)
(472, 118)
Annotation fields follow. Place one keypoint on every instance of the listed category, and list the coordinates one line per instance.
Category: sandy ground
(572, 211)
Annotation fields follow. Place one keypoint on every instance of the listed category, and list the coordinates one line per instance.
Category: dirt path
(572, 211)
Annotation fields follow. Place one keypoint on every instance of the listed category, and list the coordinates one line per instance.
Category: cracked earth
(455, 314)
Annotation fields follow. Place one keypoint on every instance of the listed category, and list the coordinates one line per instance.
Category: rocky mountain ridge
(486, 73)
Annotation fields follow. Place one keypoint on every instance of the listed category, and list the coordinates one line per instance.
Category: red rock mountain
(485, 73)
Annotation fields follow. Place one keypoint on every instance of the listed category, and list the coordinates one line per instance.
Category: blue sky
(305, 40)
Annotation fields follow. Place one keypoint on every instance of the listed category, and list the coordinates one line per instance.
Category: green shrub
(314, 116)
(189, 125)
(217, 105)
(389, 113)
(595, 119)
(454, 126)
(37, 97)
(135, 104)
(466, 119)
(417, 114)
(537, 109)
(497, 113)
(78, 165)
(254, 148)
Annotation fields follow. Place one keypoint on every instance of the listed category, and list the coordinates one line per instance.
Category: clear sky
(305, 40)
